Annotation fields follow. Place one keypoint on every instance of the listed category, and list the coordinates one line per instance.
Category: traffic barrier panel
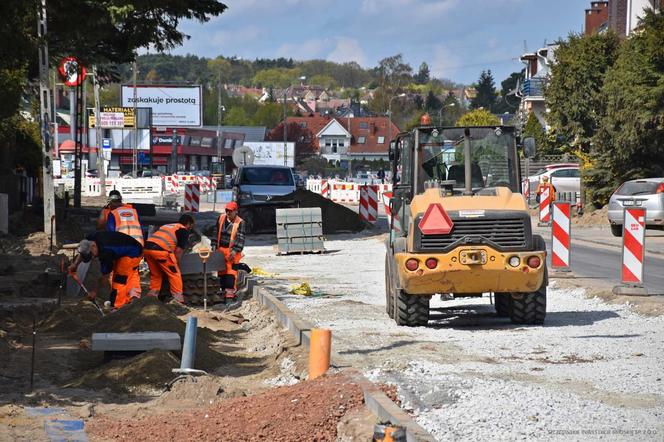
(325, 189)
(396, 225)
(561, 235)
(545, 206)
(369, 203)
(633, 255)
(192, 197)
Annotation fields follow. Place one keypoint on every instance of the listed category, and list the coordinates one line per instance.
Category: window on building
(381, 140)
(364, 125)
(342, 142)
(303, 125)
(328, 142)
(361, 140)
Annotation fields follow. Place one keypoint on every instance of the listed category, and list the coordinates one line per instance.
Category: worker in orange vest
(230, 242)
(114, 201)
(163, 251)
(545, 184)
(117, 253)
(123, 218)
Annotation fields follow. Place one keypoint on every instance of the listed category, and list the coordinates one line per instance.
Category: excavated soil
(309, 410)
(150, 370)
(597, 217)
(336, 218)
(71, 319)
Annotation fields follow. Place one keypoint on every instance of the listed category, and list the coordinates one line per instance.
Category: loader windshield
(440, 157)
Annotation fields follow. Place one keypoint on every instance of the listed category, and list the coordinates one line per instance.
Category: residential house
(344, 139)
(597, 17)
(624, 15)
(531, 92)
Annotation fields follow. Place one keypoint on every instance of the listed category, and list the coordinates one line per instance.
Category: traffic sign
(69, 70)
(106, 143)
(436, 221)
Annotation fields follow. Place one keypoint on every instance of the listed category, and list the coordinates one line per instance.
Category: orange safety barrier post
(320, 345)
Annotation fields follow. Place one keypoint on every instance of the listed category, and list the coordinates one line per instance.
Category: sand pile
(336, 218)
(151, 315)
(147, 371)
(71, 319)
(306, 411)
(597, 217)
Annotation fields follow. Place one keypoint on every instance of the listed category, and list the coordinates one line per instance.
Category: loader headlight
(514, 261)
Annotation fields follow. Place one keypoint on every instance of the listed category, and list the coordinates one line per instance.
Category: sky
(456, 38)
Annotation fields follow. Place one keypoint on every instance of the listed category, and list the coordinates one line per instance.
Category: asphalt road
(603, 263)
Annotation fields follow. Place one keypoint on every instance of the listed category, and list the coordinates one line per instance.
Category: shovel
(92, 299)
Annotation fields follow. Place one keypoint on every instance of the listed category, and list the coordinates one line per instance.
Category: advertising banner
(172, 106)
(272, 153)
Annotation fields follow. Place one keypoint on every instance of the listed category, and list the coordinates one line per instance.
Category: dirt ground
(245, 353)
(597, 217)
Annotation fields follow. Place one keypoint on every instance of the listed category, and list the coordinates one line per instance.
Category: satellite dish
(243, 156)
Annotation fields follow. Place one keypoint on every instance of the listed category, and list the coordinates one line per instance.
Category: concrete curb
(616, 246)
(376, 401)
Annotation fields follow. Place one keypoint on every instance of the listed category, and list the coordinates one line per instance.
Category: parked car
(254, 189)
(565, 178)
(647, 193)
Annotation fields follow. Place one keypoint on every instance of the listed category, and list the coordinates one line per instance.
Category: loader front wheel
(411, 310)
(529, 308)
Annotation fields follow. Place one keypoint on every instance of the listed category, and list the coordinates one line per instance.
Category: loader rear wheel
(502, 304)
(529, 308)
(411, 310)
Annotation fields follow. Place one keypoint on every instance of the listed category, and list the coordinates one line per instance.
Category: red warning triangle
(436, 221)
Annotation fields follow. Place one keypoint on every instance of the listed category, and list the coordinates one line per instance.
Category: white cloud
(347, 49)
(306, 50)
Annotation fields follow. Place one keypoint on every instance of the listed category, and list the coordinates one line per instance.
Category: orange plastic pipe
(320, 345)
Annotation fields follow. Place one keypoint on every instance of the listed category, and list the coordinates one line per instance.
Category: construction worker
(545, 184)
(123, 218)
(163, 251)
(230, 242)
(117, 253)
(113, 196)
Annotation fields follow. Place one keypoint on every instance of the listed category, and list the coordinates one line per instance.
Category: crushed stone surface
(309, 410)
(593, 370)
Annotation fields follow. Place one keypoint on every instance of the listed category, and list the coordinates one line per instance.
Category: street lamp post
(440, 112)
(389, 115)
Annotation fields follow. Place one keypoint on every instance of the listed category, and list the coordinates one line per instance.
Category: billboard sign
(172, 106)
(268, 153)
(113, 117)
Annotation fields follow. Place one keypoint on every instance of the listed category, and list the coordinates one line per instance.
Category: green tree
(478, 117)
(237, 116)
(276, 77)
(432, 103)
(574, 93)
(507, 100)
(422, 76)
(268, 115)
(630, 141)
(533, 128)
(323, 80)
(486, 92)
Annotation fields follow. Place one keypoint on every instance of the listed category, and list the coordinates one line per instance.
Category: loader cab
(435, 157)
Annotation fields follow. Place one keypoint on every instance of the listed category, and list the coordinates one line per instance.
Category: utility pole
(285, 129)
(101, 169)
(134, 156)
(45, 110)
(219, 107)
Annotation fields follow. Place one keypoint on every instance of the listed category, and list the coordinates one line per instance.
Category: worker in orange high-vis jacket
(163, 250)
(123, 218)
(117, 253)
(545, 184)
(230, 242)
(114, 201)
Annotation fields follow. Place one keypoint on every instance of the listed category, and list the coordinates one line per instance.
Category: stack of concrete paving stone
(300, 230)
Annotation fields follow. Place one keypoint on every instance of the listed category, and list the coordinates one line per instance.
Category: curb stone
(376, 401)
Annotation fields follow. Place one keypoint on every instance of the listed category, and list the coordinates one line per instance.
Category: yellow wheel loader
(460, 226)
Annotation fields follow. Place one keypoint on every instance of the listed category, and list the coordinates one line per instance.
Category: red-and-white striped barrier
(545, 206)
(369, 203)
(561, 235)
(325, 189)
(525, 189)
(634, 252)
(386, 197)
(171, 184)
(345, 193)
(192, 197)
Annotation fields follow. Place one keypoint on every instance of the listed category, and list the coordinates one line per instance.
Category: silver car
(647, 193)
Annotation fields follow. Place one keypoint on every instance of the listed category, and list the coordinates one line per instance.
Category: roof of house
(251, 133)
(372, 129)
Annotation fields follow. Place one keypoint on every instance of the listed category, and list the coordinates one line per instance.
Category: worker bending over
(230, 242)
(163, 251)
(117, 253)
(114, 201)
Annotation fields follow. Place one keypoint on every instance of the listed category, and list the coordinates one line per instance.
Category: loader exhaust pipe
(467, 156)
